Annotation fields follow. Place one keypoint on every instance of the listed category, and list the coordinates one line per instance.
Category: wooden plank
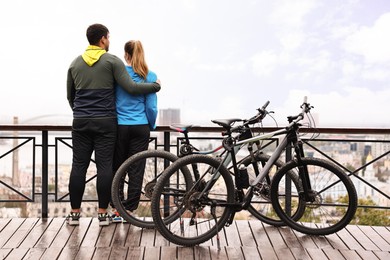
(152, 253)
(350, 254)
(105, 236)
(336, 242)
(316, 254)
(92, 234)
(4, 252)
(333, 253)
(33, 237)
(68, 253)
(307, 241)
(8, 231)
(269, 253)
(378, 240)
(366, 254)
(275, 237)
(320, 241)
(21, 233)
(232, 236)
(120, 235)
(168, 253)
(234, 252)
(299, 253)
(202, 252)
(136, 252)
(4, 222)
(251, 252)
(85, 253)
(50, 233)
(134, 236)
(361, 237)
(289, 237)
(383, 232)
(17, 253)
(185, 253)
(119, 252)
(204, 227)
(221, 237)
(51, 252)
(64, 234)
(35, 253)
(102, 253)
(245, 233)
(282, 253)
(148, 237)
(78, 232)
(160, 240)
(382, 255)
(221, 254)
(259, 234)
(349, 240)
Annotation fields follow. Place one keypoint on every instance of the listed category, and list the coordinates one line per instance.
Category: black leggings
(132, 139)
(90, 135)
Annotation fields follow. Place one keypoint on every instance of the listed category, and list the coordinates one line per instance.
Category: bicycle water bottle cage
(226, 123)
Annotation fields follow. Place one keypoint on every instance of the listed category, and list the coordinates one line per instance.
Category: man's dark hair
(95, 32)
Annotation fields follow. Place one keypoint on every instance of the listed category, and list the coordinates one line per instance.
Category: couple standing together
(114, 108)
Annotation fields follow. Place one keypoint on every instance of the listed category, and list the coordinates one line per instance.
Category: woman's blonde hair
(136, 53)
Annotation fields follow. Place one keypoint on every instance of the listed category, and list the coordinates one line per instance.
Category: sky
(215, 58)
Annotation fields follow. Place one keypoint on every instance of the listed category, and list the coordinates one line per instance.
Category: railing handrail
(327, 130)
(166, 130)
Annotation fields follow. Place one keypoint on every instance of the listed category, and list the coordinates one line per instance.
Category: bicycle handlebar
(305, 109)
(262, 112)
(260, 115)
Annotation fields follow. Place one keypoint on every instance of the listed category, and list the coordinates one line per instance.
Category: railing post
(45, 173)
(288, 181)
(167, 143)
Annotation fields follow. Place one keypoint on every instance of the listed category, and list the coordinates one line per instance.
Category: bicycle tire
(335, 201)
(261, 207)
(195, 224)
(156, 162)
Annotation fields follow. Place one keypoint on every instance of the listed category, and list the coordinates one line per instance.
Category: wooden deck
(36, 238)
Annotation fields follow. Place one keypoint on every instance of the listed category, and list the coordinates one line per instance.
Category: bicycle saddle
(181, 128)
(226, 123)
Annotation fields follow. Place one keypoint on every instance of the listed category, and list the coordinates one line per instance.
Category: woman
(136, 117)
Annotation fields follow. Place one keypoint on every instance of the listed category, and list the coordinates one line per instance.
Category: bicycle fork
(307, 191)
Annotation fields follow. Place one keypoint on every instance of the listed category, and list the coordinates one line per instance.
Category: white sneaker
(104, 219)
(73, 219)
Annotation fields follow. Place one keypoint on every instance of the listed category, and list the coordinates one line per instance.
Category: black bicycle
(211, 203)
(156, 161)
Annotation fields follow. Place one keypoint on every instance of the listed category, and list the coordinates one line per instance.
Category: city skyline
(215, 59)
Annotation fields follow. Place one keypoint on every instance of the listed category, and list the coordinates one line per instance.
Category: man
(91, 82)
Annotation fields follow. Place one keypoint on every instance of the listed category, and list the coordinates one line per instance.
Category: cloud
(265, 62)
(291, 13)
(350, 107)
(371, 42)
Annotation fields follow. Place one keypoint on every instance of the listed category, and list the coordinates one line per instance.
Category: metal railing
(46, 137)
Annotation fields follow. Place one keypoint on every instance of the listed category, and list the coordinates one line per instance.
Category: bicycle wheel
(261, 206)
(332, 200)
(156, 161)
(201, 214)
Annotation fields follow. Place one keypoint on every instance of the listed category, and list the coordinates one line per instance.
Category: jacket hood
(92, 54)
